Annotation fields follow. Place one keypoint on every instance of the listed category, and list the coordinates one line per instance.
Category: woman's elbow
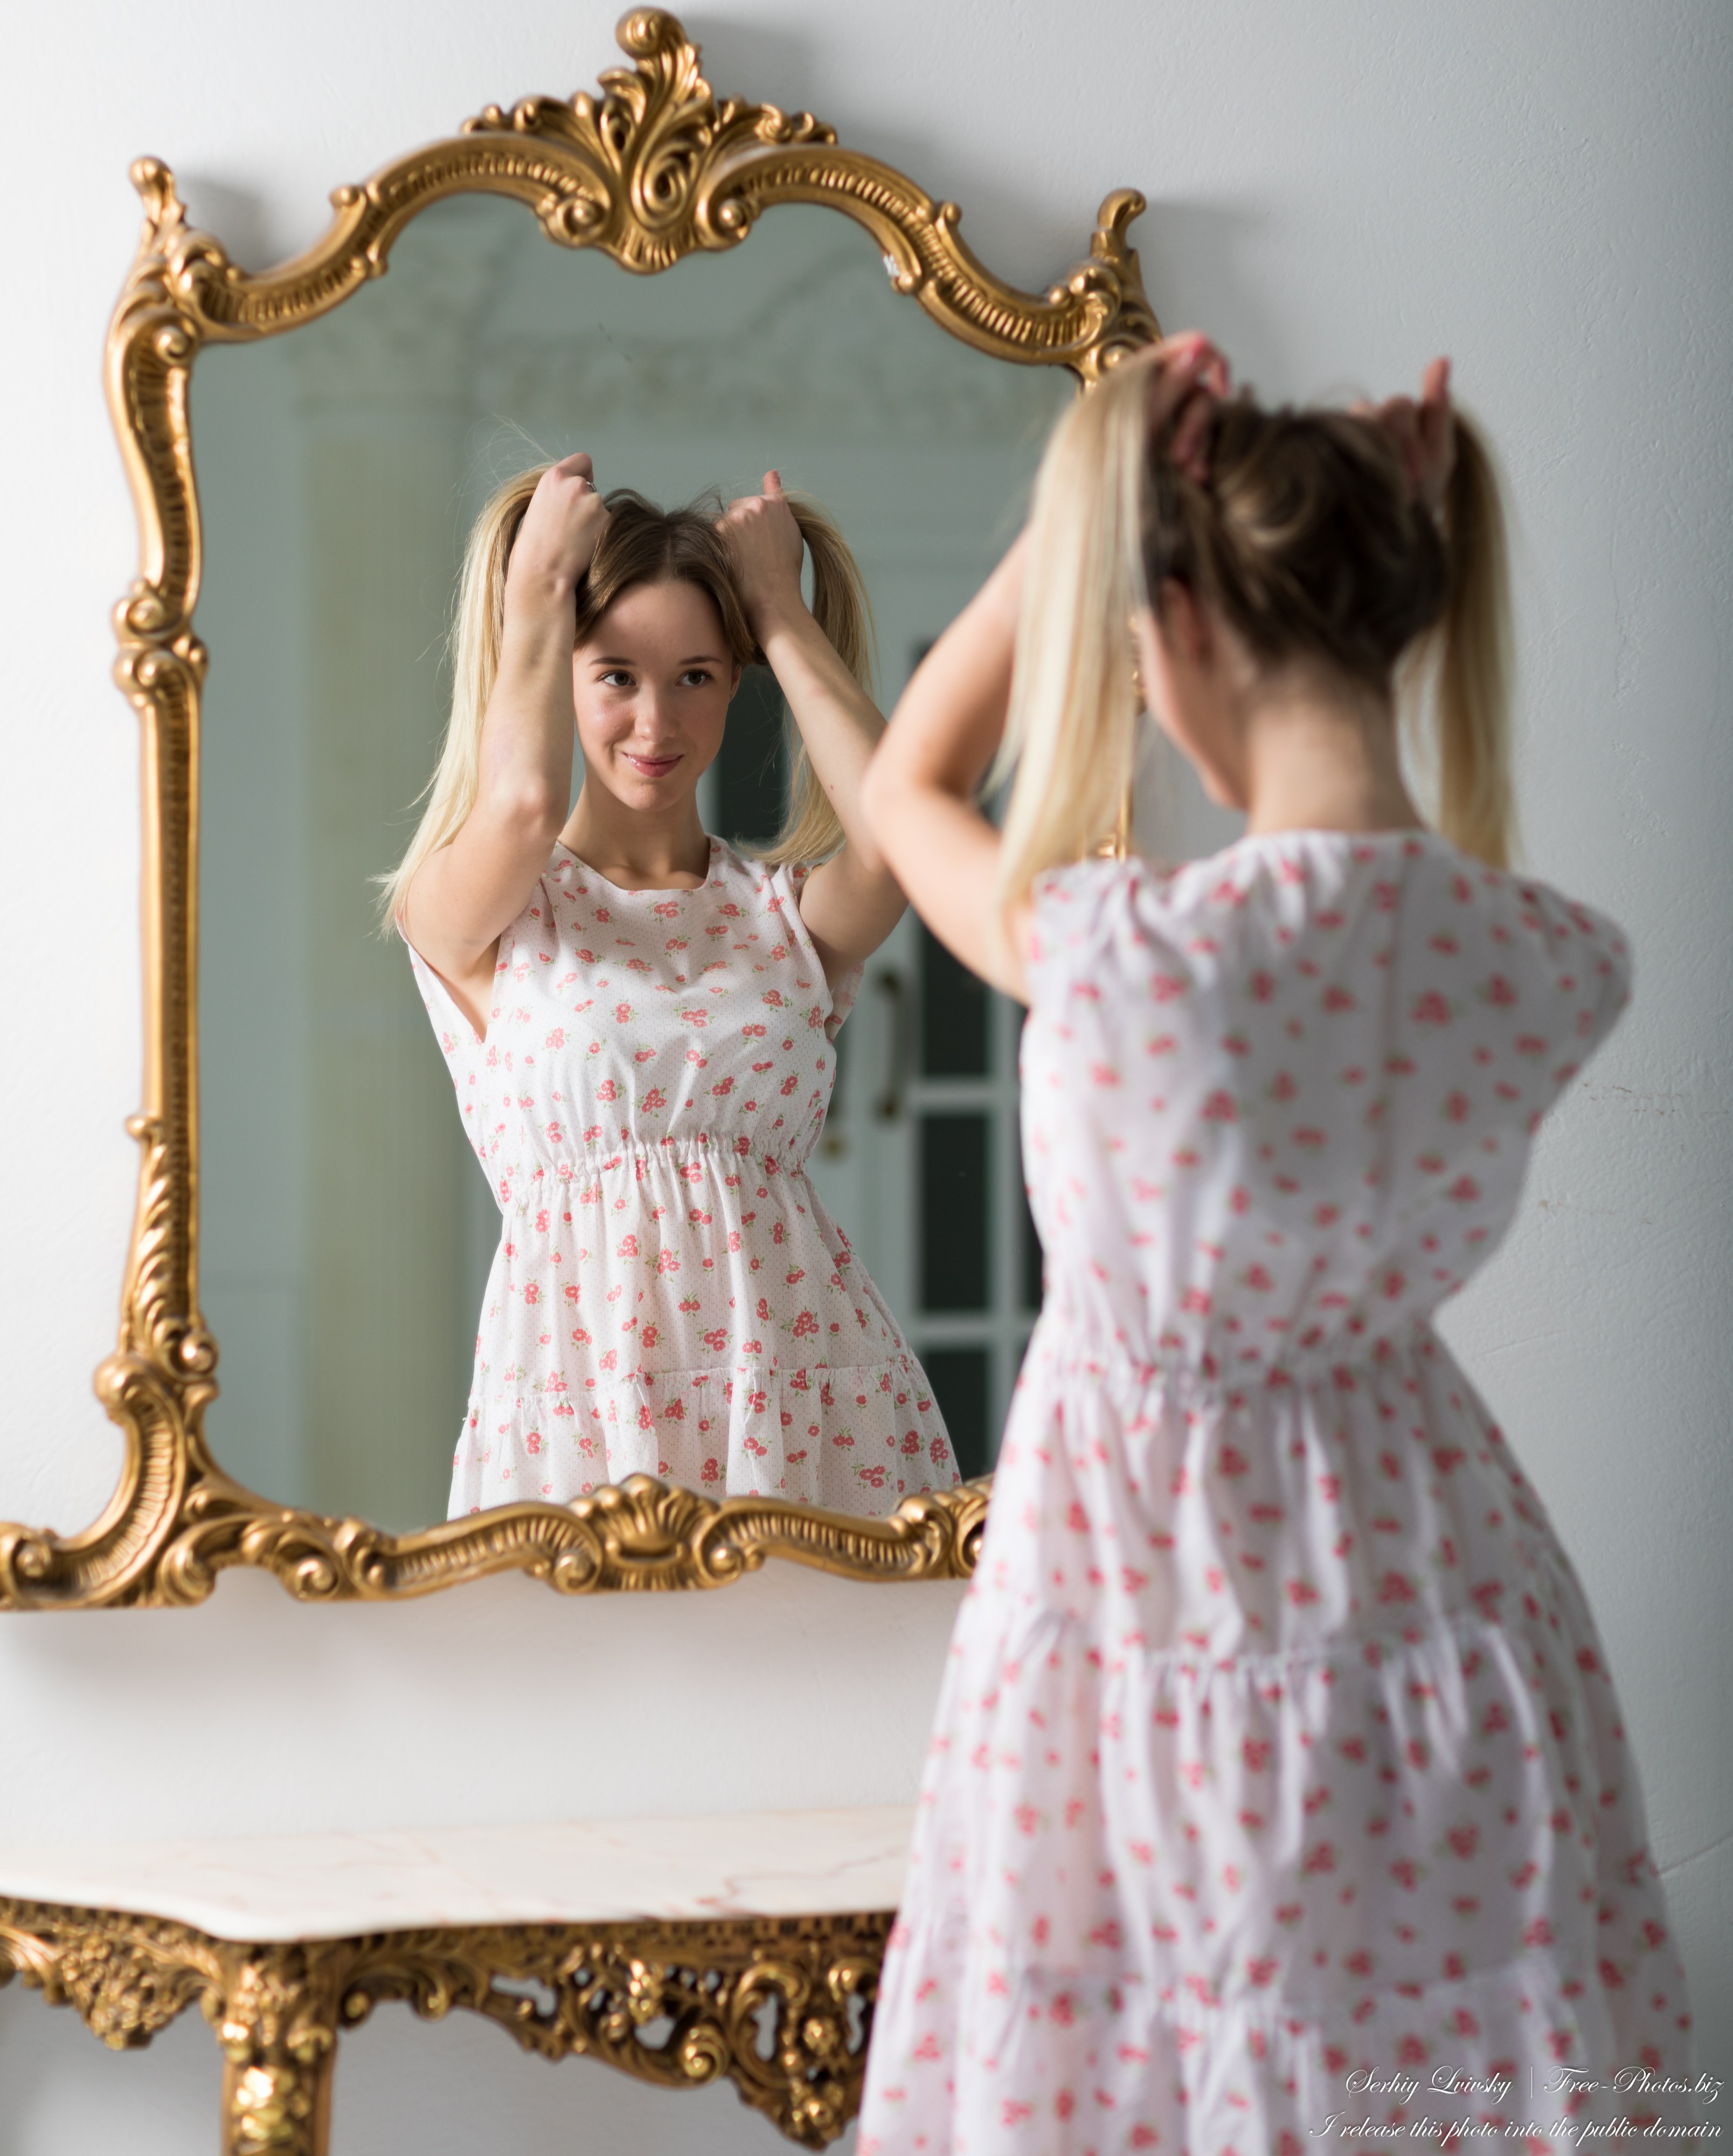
(528, 812)
(878, 795)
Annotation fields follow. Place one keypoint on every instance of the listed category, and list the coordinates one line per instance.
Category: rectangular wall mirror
(348, 1230)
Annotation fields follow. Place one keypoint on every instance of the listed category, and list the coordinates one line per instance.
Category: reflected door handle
(890, 986)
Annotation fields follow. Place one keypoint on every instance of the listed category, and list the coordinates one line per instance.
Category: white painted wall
(1339, 190)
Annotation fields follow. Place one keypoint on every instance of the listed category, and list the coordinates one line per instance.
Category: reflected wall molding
(675, 2005)
(653, 169)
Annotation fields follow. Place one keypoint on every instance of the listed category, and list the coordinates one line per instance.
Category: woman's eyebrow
(699, 659)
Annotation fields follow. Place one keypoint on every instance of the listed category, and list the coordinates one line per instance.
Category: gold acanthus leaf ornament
(655, 132)
(652, 170)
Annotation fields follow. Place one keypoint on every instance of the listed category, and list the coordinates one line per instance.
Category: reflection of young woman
(1279, 1792)
(640, 1023)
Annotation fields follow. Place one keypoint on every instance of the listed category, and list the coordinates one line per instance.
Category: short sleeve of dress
(1577, 982)
(791, 880)
(1606, 965)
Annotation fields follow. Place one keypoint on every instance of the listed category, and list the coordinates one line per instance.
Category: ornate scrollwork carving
(128, 1976)
(780, 2007)
(650, 141)
(653, 169)
(640, 1534)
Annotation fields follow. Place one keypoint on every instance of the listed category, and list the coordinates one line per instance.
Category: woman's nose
(650, 720)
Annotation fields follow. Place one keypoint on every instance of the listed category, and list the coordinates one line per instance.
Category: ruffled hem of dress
(853, 1438)
(1071, 2067)
(1114, 1797)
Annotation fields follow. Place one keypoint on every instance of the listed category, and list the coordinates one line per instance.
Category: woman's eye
(617, 677)
(694, 677)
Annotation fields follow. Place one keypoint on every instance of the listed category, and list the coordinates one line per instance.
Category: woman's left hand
(767, 548)
(1424, 433)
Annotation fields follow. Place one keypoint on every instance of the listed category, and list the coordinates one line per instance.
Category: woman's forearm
(952, 716)
(528, 731)
(838, 722)
(466, 893)
(919, 795)
(851, 902)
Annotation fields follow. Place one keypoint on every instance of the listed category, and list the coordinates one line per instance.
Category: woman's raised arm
(918, 797)
(851, 903)
(464, 896)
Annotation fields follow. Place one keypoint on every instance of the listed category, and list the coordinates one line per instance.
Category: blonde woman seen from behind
(640, 1022)
(1279, 1788)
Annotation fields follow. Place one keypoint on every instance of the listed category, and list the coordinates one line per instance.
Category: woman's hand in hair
(1424, 431)
(557, 540)
(765, 542)
(851, 901)
(468, 891)
(1188, 377)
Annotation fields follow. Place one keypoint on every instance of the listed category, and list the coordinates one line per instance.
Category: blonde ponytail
(478, 626)
(1307, 536)
(1070, 732)
(811, 830)
(1476, 809)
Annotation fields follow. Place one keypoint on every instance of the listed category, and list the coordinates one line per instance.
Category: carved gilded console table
(679, 1950)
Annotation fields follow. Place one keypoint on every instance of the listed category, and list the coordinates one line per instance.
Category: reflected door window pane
(955, 1036)
(979, 1265)
(962, 1384)
(954, 1212)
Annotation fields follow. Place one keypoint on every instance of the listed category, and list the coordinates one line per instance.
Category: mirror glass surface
(347, 1227)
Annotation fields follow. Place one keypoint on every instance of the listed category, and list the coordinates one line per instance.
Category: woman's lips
(651, 766)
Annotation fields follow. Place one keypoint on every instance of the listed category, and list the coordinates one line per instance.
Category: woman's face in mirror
(651, 684)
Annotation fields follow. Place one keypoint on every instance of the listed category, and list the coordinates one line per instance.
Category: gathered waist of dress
(692, 1157)
(1219, 1372)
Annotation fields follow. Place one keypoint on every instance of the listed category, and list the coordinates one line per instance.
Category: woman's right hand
(1190, 377)
(557, 540)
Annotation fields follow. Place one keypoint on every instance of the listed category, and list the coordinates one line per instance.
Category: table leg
(278, 2030)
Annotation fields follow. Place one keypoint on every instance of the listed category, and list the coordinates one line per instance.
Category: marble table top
(334, 1885)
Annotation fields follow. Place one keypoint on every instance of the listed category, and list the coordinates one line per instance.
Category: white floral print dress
(1276, 1776)
(669, 1296)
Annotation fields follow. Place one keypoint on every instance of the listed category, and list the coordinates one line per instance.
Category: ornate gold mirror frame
(652, 170)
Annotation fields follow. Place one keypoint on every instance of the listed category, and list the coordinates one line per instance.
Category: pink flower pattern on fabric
(669, 1296)
(1276, 1746)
